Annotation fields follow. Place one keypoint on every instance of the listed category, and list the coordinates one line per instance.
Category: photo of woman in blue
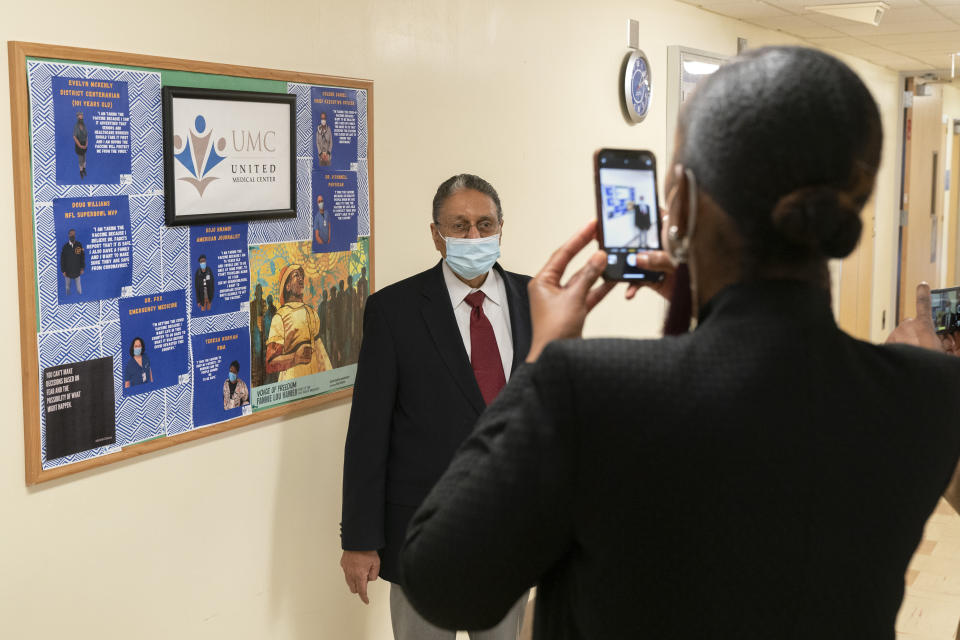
(137, 370)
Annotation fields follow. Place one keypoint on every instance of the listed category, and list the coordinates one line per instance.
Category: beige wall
(236, 536)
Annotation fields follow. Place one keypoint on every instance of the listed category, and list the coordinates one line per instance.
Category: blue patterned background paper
(87, 330)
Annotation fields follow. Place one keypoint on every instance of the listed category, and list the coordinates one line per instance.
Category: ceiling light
(698, 68)
(866, 12)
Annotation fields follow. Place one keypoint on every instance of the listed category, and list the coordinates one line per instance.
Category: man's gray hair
(464, 181)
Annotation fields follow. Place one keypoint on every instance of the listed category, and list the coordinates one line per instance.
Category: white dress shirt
(494, 307)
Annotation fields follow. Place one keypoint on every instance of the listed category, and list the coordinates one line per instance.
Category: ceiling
(914, 35)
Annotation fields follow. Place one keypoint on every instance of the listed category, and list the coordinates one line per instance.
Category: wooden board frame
(18, 52)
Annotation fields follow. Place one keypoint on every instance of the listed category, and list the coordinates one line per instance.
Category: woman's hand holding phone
(559, 310)
(918, 331)
(654, 261)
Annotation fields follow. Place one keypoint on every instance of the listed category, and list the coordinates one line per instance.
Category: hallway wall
(236, 536)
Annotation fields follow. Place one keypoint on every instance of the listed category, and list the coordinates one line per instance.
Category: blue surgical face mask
(232, 376)
(472, 257)
(137, 351)
(203, 265)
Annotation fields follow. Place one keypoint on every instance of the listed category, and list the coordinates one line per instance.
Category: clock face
(640, 83)
(637, 87)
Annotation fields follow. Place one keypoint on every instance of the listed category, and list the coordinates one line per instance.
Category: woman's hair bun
(820, 219)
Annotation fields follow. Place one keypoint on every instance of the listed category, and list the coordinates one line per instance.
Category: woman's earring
(679, 246)
(676, 245)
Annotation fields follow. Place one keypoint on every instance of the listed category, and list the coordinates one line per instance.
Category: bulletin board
(136, 335)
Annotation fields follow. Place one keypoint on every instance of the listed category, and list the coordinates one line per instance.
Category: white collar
(459, 290)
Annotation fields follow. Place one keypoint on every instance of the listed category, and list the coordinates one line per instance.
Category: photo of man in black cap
(72, 262)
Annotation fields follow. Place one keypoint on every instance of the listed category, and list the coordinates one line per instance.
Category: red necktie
(484, 353)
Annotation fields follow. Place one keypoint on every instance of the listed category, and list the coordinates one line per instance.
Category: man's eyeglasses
(462, 229)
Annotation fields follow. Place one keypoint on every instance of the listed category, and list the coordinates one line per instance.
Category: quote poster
(78, 407)
(334, 116)
(221, 376)
(91, 130)
(153, 331)
(93, 248)
(334, 210)
(221, 273)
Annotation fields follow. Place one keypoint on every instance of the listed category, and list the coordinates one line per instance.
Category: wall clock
(636, 85)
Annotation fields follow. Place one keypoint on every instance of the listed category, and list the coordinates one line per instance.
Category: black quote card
(78, 404)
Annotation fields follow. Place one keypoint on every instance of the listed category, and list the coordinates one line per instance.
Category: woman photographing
(762, 476)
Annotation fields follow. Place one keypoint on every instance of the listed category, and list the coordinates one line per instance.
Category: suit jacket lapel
(442, 325)
(518, 304)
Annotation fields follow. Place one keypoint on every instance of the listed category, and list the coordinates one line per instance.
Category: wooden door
(953, 197)
(856, 280)
(922, 201)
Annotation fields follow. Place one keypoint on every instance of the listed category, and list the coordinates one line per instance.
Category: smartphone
(628, 211)
(945, 307)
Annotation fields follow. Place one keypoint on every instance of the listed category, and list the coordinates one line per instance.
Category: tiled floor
(931, 605)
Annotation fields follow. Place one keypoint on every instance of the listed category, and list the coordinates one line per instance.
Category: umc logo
(198, 155)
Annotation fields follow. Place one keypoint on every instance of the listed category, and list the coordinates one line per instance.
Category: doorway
(921, 206)
(953, 199)
(856, 279)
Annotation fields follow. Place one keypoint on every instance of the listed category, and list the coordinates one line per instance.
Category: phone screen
(945, 307)
(628, 211)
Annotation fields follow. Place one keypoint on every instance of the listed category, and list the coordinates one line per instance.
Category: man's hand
(919, 330)
(558, 311)
(359, 568)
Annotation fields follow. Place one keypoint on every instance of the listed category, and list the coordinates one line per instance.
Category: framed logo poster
(228, 155)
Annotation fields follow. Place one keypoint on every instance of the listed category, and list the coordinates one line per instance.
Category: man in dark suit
(204, 284)
(72, 261)
(437, 348)
(644, 223)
